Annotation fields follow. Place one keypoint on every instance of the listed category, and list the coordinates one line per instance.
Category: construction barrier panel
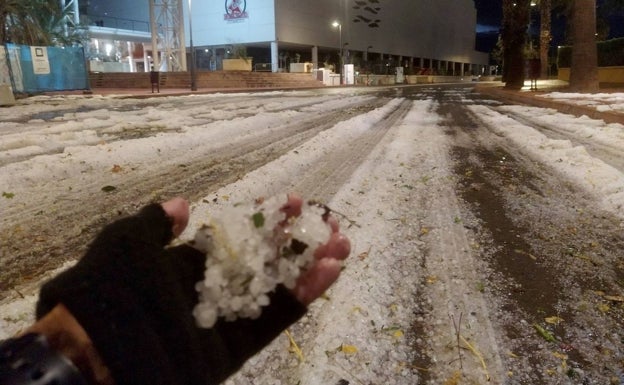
(43, 69)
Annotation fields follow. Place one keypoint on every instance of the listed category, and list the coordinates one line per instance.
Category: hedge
(610, 54)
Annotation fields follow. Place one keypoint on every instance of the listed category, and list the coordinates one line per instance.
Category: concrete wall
(211, 25)
(433, 29)
(605, 74)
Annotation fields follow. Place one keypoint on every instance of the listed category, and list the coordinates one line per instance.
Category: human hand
(130, 294)
(177, 209)
(313, 282)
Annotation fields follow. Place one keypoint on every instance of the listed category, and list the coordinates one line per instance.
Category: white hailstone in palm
(250, 249)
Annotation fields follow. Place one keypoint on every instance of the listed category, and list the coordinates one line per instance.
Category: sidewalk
(591, 105)
(594, 106)
(143, 93)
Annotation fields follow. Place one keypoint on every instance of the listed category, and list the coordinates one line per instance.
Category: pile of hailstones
(252, 248)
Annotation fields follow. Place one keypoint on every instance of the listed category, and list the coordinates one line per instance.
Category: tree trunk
(515, 23)
(584, 70)
(545, 35)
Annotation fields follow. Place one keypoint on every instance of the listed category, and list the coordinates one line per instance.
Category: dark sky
(489, 12)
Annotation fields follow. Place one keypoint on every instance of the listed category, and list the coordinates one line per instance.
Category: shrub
(610, 54)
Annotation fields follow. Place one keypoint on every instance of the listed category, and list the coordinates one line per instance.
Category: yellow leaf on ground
(614, 298)
(554, 320)
(454, 380)
(294, 348)
(432, 279)
(348, 349)
(603, 307)
(561, 356)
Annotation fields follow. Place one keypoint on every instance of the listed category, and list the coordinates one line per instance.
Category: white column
(130, 48)
(76, 12)
(274, 57)
(155, 59)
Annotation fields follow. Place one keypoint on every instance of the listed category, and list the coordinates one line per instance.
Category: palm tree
(584, 69)
(545, 34)
(515, 23)
(37, 22)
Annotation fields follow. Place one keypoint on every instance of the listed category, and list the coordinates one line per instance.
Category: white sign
(349, 71)
(41, 64)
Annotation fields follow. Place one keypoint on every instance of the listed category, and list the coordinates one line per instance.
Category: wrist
(67, 336)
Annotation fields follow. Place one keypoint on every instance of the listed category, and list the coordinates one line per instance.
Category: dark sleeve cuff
(229, 344)
(113, 292)
(135, 300)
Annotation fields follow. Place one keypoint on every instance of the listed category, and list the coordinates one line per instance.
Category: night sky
(490, 14)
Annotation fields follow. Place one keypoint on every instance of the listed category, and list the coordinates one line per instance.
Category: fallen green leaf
(7, 195)
(544, 333)
(258, 219)
(109, 188)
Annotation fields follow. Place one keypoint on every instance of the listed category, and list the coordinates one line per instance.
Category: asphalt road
(473, 263)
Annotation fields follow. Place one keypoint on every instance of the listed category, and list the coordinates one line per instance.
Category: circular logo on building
(235, 9)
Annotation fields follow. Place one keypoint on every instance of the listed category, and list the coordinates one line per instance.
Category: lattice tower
(167, 22)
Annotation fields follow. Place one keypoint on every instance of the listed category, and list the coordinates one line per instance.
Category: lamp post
(366, 59)
(337, 24)
(193, 78)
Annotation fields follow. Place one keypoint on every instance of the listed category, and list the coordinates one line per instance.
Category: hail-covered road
(486, 238)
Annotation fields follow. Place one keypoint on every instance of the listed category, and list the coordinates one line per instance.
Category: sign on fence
(41, 63)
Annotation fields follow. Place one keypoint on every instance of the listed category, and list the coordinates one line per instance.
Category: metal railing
(119, 23)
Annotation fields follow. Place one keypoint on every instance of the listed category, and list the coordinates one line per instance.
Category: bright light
(109, 49)
(336, 24)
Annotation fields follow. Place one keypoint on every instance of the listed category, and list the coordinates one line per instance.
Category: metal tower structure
(167, 26)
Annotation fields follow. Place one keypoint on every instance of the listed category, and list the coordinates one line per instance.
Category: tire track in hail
(45, 235)
(325, 179)
(603, 151)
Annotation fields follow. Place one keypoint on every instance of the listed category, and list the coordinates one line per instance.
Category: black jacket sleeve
(135, 299)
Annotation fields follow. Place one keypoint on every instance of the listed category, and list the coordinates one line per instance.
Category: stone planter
(237, 64)
(605, 74)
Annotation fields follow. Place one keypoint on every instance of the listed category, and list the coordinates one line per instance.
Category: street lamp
(337, 24)
(366, 59)
(193, 78)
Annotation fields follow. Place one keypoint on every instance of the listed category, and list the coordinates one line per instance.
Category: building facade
(375, 35)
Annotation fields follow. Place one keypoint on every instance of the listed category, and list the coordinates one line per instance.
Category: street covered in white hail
(422, 296)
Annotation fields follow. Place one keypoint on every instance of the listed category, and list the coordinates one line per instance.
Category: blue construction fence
(42, 69)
